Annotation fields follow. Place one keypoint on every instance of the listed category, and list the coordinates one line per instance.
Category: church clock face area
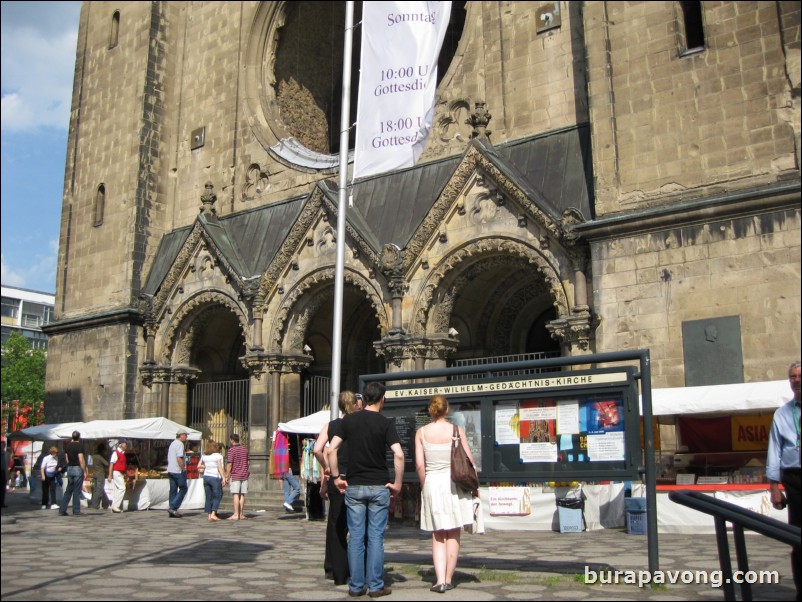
(294, 78)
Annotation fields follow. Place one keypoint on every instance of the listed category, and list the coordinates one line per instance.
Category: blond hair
(347, 402)
(211, 448)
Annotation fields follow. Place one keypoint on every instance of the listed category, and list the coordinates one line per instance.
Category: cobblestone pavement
(275, 556)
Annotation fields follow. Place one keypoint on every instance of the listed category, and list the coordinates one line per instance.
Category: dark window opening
(115, 29)
(100, 206)
(692, 25)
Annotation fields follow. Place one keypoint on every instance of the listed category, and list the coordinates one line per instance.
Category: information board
(578, 426)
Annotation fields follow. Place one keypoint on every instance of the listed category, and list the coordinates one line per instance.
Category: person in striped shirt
(237, 472)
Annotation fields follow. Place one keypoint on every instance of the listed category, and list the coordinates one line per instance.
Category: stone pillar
(578, 263)
(257, 333)
(258, 422)
(179, 393)
(164, 390)
(273, 386)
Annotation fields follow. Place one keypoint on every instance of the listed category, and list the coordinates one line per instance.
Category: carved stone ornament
(397, 348)
(256, 182)
(479, 120)
(391, 257)
(570, 218)
(154, 374)
(184, 375)
(255, 363)
(575, 330)
(208, 199)
(455, 115)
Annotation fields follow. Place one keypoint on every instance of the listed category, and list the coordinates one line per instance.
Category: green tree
(23, 375)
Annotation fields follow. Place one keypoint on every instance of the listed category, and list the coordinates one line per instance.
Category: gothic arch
(299, 306)
(179, 332)
(434, 305)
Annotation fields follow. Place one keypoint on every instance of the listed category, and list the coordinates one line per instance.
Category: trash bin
(636, 515)
(570, 512)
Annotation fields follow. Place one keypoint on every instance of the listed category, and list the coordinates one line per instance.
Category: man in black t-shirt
(76, 473)
(368, 488)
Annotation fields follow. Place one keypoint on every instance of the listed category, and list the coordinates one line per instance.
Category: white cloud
(36, 272)
(8, 276)
(38, 61)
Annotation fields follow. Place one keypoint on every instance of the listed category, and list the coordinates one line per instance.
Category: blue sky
(38, 61)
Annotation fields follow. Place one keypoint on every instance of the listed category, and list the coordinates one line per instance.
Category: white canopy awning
(136, 428)
(756, 397)
(46, 432)
(308, 425)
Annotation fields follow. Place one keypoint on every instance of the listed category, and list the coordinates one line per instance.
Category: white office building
(26, 311)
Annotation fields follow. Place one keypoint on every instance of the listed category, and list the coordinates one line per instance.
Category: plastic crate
(636, 522)
(635, 504)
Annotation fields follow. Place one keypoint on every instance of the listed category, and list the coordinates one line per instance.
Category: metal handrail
(741, 518)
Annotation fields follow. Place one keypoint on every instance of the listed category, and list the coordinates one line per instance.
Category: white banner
(398, 76)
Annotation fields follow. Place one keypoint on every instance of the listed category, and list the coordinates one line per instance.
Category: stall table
(154, 494)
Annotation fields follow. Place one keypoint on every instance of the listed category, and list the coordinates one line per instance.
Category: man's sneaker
(44, 507)
(54, 507)
(177, 514)
(288, 507)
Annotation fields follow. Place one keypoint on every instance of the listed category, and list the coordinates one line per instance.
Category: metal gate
(317, 393)
(218, 409)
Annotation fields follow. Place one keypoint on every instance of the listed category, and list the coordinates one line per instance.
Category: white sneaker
(44, 507)
(54, 507)
(288, 507)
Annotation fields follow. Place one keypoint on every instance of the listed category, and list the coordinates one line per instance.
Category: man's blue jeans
(75, 483)
(291, 488)
(178, 489)
(368, 509)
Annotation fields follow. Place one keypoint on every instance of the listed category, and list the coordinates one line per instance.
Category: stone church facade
(601, 176)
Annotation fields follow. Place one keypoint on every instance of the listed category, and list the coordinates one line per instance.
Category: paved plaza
(276, 556)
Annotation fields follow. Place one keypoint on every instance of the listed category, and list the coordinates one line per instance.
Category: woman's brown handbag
(463, 474)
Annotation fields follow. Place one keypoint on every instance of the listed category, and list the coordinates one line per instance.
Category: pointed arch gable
(477, 164)
(320, 202)
(197, 239)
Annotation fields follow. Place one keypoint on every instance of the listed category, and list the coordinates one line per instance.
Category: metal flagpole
(336, 345)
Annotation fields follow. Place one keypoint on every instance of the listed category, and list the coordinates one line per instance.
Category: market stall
(148, 486)
(714, 439)
(716, 435)
(305, 431)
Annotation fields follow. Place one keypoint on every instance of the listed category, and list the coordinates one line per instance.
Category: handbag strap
(455, 438)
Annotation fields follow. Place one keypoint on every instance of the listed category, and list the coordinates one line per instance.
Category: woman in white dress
(445, 509)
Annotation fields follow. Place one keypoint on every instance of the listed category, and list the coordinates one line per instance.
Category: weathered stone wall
(104, 150)
(646, 285)
(88, 375)
(668, 127)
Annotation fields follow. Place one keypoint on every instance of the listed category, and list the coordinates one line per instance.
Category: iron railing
(741, 518)
(317, 393)
(221, 408)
